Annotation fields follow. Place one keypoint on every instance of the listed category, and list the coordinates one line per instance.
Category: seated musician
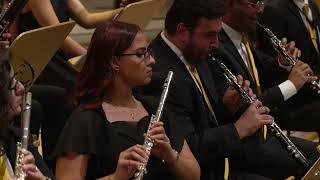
(11, 93)
(39, 13)
(52, 100)
(110, 122)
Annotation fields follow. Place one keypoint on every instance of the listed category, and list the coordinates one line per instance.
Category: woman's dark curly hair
(5, 81)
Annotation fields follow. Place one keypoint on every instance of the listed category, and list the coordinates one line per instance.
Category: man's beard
(191, 56)
(251, 32)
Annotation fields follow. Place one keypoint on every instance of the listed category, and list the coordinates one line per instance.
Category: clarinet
(289, 146)
(148, 143)
(10, 13)
(276, 43)
(20, 174)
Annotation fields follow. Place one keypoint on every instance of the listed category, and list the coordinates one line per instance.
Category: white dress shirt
(236, 39)
(287, 88)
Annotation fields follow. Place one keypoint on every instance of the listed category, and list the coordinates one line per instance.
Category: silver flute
(276, 43)
(20, 174)
(148, 143)
(289, 146)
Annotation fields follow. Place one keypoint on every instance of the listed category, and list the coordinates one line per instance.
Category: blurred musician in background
(38, 13)
(275, 82)
(239, 54)
(298, 21)
(52, 102)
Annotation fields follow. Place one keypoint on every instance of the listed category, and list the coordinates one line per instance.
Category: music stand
(32, 50)
(314, 172)
(141, 12)
(164, 9)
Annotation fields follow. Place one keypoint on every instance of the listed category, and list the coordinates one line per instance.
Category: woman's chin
(142, 82)
(147, 81)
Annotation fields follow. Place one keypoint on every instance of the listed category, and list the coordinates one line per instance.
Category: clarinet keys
(316, 86)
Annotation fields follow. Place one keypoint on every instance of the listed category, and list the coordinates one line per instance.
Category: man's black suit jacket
(267, 67)
(284, 20)
(209, 140)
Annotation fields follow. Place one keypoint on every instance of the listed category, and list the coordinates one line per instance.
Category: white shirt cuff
(287, 89)
(286, 67)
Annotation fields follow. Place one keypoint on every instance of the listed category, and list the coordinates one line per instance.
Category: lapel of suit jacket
(167, 54)
(315, 16)
(294, 9)
(207, 82)
(314, 11)
(226, 41)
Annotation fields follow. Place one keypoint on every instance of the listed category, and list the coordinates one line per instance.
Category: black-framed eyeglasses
(142, 55)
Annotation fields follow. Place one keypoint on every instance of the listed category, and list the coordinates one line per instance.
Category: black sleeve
(40, 163)
(271, 75)
(208, 144)
(79, 134)
(214, 143)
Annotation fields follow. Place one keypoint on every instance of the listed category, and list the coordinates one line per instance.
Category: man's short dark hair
(189, 12)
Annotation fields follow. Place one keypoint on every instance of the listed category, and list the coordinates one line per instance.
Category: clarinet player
(273, 85)
(110, 122)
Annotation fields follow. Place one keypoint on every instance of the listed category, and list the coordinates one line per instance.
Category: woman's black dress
(89, 132)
